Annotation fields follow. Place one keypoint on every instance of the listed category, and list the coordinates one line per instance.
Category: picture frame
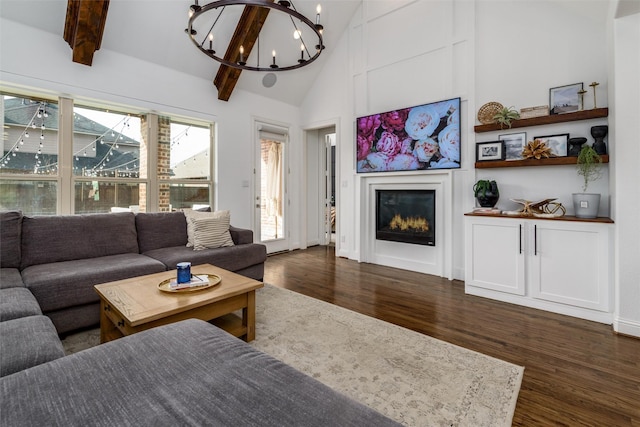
(565, 99)
(558, 143)
(488, 151)
(514, 144)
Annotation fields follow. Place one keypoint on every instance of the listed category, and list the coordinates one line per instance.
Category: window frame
(66, 180)
(212, 140)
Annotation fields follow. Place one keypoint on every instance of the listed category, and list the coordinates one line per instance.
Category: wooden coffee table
(135, 304)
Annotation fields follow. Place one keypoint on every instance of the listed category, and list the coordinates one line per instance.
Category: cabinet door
(569, 263)
(495, 253)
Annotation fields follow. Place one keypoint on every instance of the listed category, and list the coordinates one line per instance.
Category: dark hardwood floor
(577, 372)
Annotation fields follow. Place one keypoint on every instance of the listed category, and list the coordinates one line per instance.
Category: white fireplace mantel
(436, 260)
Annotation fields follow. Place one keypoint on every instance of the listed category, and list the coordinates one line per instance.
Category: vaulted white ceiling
(154, 31)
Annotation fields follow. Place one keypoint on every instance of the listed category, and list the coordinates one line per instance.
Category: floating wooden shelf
(600, 219)
(596, 113)
(532, 162)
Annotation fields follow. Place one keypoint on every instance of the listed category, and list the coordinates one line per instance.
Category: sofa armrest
(241, 236)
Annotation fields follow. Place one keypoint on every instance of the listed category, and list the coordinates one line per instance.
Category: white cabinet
(555, 265)
(495, 255)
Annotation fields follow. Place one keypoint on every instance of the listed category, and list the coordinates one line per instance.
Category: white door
(271, 200)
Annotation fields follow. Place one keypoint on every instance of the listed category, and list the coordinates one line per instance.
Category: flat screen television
(416, 138)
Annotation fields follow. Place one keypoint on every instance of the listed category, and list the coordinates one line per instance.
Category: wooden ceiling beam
(245, 35)
(84, 27)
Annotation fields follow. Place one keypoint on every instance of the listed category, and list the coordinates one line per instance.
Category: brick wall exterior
(164, 158)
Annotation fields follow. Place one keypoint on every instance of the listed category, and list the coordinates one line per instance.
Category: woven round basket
(487, 111)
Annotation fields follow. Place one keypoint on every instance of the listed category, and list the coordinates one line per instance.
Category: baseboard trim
(626, 327)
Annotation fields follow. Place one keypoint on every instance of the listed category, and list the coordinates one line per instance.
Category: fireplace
(406, 216)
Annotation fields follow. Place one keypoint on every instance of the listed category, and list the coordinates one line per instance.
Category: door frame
(320, 151)
(262, 125)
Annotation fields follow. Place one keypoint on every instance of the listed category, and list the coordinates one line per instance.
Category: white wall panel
(460, 68)
(428, 74)
(356, 48)
(407, 32)
(463, 16)
(360, 95)
(375, 8)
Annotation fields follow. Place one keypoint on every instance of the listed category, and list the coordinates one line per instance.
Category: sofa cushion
(69, 283)
(231, 258)
(185, 373)
(27, 342)
(210, 233)
(198, 214)
(16, 303)
(47, 239)
(75, 318)
(10, 278)
(161, 230)
(10, 231)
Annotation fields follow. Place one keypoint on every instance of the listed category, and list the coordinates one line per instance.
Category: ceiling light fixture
(292, 52)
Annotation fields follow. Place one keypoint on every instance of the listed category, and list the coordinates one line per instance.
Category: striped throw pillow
(196, 214)
(209, 233)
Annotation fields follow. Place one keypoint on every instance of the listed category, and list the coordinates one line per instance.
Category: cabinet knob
(121, 323)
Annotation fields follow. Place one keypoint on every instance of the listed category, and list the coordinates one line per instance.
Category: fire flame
(409, 224)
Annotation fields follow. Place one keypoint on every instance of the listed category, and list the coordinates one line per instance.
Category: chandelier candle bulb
(318, 10)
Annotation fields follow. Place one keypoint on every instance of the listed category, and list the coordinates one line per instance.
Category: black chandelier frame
(201, 10)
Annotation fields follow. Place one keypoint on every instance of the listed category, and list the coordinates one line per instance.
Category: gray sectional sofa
(50, 264)
(60, 258)
(186, 373)
(183, 374)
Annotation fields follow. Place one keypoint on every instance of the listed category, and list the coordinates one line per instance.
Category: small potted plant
(589, 167)
(505, 116)
(486, 192)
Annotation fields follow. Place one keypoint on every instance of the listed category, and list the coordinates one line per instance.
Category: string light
(41, 112)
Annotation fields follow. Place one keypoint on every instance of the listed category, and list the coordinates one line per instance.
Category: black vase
(598, 133)
(489, 199)
(576, 146)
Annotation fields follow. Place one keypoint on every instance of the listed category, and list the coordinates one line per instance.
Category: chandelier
(293, 41)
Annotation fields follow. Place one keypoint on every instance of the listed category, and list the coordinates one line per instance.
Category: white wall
(514, 52)
(393, 56)
(42, 61)
(626, 204)
(524, 48)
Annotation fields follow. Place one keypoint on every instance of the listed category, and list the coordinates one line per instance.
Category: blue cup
(184, 272)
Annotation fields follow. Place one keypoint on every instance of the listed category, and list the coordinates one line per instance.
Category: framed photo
(557, 143)
(493, 150)
(565, 99)
(514, 144)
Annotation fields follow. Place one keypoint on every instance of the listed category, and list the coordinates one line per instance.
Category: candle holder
(593, 85)
(581, 93)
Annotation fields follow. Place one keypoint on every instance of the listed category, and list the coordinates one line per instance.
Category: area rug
(410, 377)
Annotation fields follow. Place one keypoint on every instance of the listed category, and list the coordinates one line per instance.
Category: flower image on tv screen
(416, 138)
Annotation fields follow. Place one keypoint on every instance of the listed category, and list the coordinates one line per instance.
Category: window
(190, 166)
(107, 146)
(104, 166)
(29, 155)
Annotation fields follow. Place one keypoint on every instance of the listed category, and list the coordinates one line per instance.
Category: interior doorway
(322, 214)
